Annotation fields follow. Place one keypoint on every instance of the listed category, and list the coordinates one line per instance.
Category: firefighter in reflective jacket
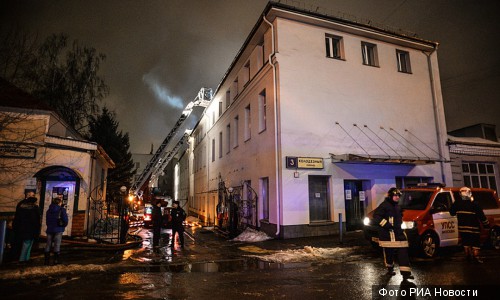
(469, 216)
(392, 238)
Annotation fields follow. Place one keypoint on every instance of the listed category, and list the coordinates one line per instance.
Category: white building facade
(315, 119)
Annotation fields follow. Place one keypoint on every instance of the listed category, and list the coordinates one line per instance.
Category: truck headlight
(366, 221)
(408, 225)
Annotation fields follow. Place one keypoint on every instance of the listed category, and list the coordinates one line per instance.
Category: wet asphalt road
(210, 268)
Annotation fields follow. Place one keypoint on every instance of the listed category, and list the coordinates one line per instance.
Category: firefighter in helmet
(470, 216)
(392, 238)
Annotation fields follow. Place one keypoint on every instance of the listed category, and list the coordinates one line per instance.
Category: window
(479, 175)
(235, 87)
(248, 123)
(228, 99)
(369, 52)
(213, 149)
(246, 74)
(235, 129)
(213, 118)
(228, 138)
(220, 108)
(264, 196)
(262, 111)
(403, 60)
(334, 46)
(220, 144)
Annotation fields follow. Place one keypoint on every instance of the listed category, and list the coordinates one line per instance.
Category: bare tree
(21, 138)
(66, 78)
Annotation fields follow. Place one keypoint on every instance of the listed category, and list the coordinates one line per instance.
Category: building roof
(473, 146)
(12, 96)
(311, 16)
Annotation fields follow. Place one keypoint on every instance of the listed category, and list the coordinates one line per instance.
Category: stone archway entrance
(59, 180)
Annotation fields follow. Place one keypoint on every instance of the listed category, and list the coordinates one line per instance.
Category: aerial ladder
(163, 155)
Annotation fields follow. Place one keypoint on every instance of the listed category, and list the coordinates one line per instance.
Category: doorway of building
(52, 190)
(355, 204)
(59, 181)
(319, 199)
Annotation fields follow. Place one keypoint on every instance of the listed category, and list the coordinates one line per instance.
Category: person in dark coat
(16, 241)
(26, 226)
(178, 216)
(54, 230)
(157, 218)
(392, 238)
(469, 216)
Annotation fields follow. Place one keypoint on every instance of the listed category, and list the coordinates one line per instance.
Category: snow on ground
(37, 271)
(251, 235)
(307, 254)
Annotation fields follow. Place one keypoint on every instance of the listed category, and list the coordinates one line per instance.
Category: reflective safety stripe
(393, 244)
(404, 269)
(466, 212)
(393, 237)
(383, 222)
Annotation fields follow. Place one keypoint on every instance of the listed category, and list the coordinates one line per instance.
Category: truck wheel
(428, 245)
(495, 238)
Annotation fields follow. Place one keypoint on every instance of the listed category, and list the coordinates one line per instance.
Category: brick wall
(78, 225)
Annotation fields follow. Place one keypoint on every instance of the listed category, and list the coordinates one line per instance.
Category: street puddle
(225, 266)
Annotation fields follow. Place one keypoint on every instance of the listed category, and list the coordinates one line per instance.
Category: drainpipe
(276, 126)
(436, 115)
(92, 158)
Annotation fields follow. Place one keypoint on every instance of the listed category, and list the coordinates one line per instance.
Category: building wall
(319, 101)
(81, 157)
(458, 174)
(348, 92)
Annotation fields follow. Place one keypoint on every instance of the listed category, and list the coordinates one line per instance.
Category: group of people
(394, 242)
(26, 228)
(176, 216)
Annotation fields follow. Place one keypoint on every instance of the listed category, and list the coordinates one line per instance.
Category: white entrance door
(67, 190)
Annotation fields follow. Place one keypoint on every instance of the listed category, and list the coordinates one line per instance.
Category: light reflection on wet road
(146, 274)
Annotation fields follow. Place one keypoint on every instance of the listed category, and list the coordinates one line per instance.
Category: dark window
(334, 46)
(403, 60)
(369, 52)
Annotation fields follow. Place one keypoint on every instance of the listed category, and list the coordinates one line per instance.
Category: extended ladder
(162, 157)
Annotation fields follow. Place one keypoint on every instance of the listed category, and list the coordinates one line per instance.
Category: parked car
(427, 221)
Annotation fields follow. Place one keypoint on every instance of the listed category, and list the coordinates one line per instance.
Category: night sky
(161, 52)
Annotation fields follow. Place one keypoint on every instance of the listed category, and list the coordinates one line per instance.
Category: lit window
(403, 59)
(369, 52)
(334, 46)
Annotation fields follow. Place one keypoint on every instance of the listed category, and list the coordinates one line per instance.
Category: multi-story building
(40, 152)
(315, 119)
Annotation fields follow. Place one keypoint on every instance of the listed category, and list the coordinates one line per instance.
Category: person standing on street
(392, 238)
(26, 225)
(178, 216)
(470, 216)
(55, 229)
(157, 218)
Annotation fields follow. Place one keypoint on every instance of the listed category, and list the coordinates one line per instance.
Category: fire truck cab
(427, 221)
